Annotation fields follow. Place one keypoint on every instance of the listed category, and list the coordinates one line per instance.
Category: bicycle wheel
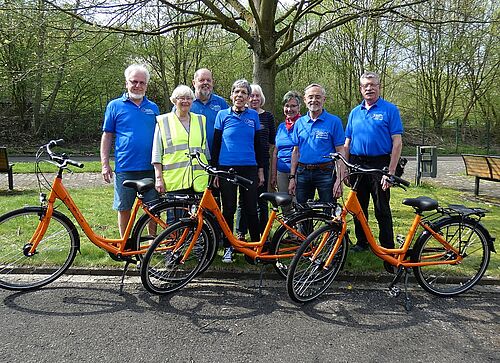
(286, 242)
(308, 278)
(56, 251)
(168, 212)
(166, 266)
(469, 238)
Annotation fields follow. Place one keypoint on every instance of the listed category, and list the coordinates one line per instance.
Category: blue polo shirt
(371, 130)
(318, 138)
(134, 127)
(210, 109)
(238, 132)
(284, 145)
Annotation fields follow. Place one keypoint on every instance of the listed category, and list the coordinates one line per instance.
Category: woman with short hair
(236, 146)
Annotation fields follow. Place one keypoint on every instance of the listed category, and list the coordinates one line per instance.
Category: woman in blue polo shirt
(282, 154)
(236, 145)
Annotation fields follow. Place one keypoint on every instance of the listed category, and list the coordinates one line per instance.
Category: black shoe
(359, 248)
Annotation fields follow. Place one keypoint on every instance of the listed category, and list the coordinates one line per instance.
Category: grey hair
(323, 91)
(292, 94)
(181, 91)
(139, 68)
(241, 83)
(258, 89)
(370, 75)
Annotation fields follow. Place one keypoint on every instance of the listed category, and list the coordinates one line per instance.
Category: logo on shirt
(249, 122)
(319, 134)
(215, 107)
(378, 116)
(148, 111)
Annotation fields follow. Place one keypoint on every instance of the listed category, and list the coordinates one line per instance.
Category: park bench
(484, 167)
(6, 167)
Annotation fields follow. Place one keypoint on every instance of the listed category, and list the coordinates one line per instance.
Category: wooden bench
(484, 167)
(6, 167)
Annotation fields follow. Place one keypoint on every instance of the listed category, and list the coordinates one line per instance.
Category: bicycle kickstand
(261, 275)
(125, 269)
(408, 302)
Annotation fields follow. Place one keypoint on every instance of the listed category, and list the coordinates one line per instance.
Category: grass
(95, 204)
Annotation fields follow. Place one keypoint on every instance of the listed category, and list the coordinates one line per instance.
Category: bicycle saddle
(141, 185)
(421, 203)
(277, 199)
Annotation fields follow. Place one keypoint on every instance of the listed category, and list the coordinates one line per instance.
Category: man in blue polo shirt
(130, 120)
(373, 140)
(207, 103)
(316, 135)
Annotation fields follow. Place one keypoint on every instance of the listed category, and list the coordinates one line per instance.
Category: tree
(270, 28)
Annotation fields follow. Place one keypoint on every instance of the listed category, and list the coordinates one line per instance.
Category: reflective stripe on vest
(179, 171)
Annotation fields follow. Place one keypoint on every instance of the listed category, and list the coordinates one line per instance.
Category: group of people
(244, 137)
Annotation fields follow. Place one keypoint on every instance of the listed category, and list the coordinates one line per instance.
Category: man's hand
(107, 172)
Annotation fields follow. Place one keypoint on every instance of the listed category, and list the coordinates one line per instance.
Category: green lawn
(95, 204)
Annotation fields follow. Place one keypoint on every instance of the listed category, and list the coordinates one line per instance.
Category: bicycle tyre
(307, 279)
(451, 280)
(180, 209)
(162, 269)
(54, 255)
(284, 241)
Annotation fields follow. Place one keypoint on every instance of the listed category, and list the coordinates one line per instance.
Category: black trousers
(370, 185)
(248, 200)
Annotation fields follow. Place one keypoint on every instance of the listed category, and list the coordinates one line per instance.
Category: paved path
(451, 173)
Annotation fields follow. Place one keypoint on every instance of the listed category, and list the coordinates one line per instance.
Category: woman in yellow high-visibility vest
(177, 134)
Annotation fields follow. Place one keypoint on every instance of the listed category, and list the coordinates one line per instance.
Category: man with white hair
(130, 120)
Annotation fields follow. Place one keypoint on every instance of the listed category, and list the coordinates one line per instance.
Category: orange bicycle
(449, 256)
(38, 244)
(173, 258)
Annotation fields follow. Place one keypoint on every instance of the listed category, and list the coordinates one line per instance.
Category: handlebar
(60, 160)
(393, 179)
(229, 175)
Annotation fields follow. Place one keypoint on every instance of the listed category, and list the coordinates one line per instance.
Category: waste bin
(426, 162)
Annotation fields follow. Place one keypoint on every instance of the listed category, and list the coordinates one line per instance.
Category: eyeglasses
(137, 83)
(184, 98)
(365, 86)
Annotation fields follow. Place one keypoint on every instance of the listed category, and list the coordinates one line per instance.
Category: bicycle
(171, 261)
(39, 243)
(448, 257)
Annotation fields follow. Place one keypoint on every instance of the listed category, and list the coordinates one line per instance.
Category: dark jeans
(248, 199)
(308, 180)
(262, 209)
(369, 185)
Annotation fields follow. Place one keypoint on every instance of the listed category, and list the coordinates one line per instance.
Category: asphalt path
(233, 321)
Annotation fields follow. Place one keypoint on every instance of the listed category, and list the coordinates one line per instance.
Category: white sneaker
(228, 255)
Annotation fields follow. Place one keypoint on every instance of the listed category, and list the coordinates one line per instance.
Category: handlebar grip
(75, 163)
(57, 142)
(243, 181)
(401, 181)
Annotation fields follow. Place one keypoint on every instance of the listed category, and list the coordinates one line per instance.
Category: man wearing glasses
(130, 120)
(373, 140)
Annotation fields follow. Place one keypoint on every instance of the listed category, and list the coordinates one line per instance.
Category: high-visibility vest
(180, 171)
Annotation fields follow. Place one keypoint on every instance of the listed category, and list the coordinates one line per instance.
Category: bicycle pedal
(394, 291)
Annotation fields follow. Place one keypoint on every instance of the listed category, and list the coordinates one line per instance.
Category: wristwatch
(291, 176)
